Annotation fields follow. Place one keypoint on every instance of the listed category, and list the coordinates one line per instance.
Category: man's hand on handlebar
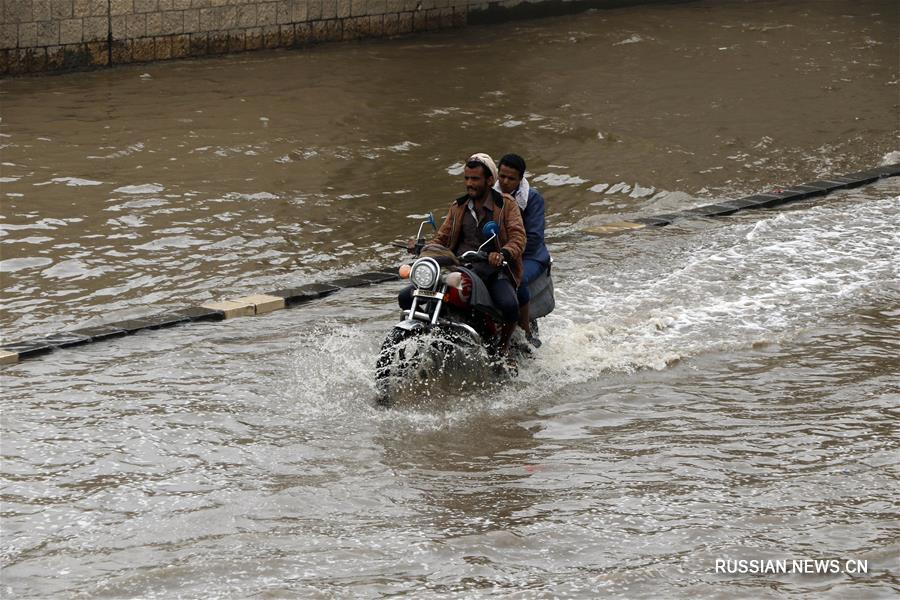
(495, 259)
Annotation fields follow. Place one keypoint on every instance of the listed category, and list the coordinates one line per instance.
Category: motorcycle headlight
(424, 273)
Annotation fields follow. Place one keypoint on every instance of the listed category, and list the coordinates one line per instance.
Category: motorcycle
(452, 321)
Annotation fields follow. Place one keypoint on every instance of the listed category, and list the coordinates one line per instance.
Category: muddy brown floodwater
(714, 390)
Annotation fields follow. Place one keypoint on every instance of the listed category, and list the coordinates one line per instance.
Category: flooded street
(714, 389)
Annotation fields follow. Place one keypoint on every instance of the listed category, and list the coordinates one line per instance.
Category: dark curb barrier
(289, 297)
(777, 197)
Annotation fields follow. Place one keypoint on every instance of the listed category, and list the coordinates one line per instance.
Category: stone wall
(57, 35)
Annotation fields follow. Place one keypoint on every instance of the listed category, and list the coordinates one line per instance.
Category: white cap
(486, 160)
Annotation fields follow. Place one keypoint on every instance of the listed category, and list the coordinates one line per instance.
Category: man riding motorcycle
(462, 231)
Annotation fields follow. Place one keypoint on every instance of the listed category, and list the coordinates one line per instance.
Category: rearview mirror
(490, 229)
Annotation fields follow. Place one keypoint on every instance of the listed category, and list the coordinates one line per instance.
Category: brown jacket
(509, 220)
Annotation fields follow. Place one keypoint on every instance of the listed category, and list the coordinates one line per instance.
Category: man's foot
(533, 339)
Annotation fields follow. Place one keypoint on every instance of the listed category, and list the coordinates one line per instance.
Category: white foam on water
(559, 179)
(146, 188)
(75, 181)
(456, 168)
(732, 287)
(634, 39)
(890, 158)
(404, 146)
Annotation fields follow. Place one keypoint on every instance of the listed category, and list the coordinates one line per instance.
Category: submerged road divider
(257, 304)
(267, 302)
(777, 197)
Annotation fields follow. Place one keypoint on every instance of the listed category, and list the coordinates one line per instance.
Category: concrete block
(143, 50)
(61, 9)
(136, 25)
(163, 48)
(405, 22)
(232, 309)
(344, 8)
(218, 42)
(358, 8)
(785, 196)
(710, 210)
(391, 25)
(154, 24)
(27, 349)
(272, 36)
(172, 22)
(376, 26)
(890, 170)
(70, 31)
(254, 38)
(614, 227)
(313, 10)
(121, 52)
(8, 358)
(18, 11)
(652, 221)
(146, 6)
(304, 293)
(199, 44)
(9, 35)
(246, 16)
(191, 21)
(758, 200)
(66, 339)
(826, 185)
(27, 37)
(101, 332)
(263, 303)
(283, 13)
(181, 46)
(379, 276)
(286, 39)
(266, 14)
(17, 63)
(4, 62)
(131, 326)
(460, 16)
(41, 10)
(303, 34)
(236, 41)
(95, 29)
(863, 177)
(37, 60)
(229, 17)
(119, 25)
(668, 218)
(329, 9)
(121, 7)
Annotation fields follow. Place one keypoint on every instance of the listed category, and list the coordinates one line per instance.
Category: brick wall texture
(55, 35)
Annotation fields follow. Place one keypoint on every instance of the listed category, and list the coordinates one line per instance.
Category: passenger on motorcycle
(462, 231)
(536, 258)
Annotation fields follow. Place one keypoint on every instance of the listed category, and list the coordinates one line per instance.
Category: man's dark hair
(474, 164)
(513, 161)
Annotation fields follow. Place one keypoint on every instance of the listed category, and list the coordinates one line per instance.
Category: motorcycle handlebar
(476, 256)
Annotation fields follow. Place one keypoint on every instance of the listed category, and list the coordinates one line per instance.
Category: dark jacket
(533, 217)
(508, 218)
